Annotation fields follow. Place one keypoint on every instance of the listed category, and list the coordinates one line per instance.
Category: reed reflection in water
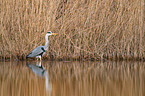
(72, 79)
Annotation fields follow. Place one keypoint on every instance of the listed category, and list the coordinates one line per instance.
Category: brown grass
(96, 29)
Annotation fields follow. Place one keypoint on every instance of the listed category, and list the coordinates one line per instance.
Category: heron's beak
(54, 33)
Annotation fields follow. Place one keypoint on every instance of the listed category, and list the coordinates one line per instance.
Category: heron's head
(50, 33)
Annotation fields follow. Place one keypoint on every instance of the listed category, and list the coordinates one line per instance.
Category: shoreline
(75, 59)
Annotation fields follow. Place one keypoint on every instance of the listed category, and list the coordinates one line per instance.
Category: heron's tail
(29, 55)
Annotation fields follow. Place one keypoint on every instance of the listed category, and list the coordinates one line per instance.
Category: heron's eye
(49, 32)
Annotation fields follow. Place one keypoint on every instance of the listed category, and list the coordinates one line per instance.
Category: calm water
(72, 78)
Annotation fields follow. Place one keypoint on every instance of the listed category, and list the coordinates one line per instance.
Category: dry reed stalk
(87, 29)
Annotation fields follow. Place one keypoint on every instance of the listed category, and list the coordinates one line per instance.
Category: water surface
(72, 78)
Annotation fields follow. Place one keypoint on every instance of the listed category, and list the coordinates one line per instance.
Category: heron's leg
(40, 58)
(40, 63)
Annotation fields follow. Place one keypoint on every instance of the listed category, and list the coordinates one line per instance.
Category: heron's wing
(37, 51)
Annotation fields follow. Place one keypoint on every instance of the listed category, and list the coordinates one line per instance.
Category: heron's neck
(47, 43)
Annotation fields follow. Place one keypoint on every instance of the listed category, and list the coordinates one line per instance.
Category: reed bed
(75, 78)
(88, 29)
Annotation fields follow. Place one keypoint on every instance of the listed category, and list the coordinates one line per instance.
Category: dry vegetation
(88, 29)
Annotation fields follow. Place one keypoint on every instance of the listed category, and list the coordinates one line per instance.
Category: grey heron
(40, 50)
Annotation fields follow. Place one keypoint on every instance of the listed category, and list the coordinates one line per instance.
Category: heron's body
(40, 50)
(37, 52)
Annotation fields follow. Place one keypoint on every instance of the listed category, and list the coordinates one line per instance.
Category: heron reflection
(39, 70)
